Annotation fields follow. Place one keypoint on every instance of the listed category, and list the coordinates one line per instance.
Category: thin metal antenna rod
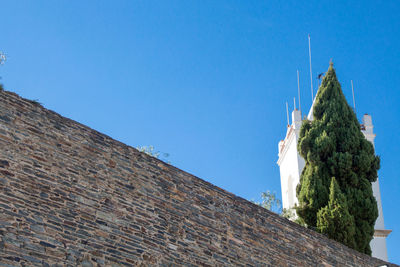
(287, 113)
(354, 101)
(309, 53)
(294, 102)
(298, 88)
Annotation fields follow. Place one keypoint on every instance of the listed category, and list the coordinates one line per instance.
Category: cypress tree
(336, 151)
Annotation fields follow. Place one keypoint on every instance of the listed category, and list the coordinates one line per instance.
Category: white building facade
(291, 165)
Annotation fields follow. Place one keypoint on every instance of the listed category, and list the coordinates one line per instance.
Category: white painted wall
(290, 162)
(378, 243)
(378, 247)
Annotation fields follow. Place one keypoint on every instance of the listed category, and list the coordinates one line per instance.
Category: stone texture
(70, 196)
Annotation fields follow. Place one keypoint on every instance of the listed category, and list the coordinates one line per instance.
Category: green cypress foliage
(334, 220)
(336, 151)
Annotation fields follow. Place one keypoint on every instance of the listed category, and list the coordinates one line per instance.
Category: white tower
(291, 164)
(378, 243)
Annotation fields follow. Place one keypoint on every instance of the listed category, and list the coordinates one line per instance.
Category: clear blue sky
(207, 81)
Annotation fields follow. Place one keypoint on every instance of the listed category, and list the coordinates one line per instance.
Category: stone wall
(70, 195)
